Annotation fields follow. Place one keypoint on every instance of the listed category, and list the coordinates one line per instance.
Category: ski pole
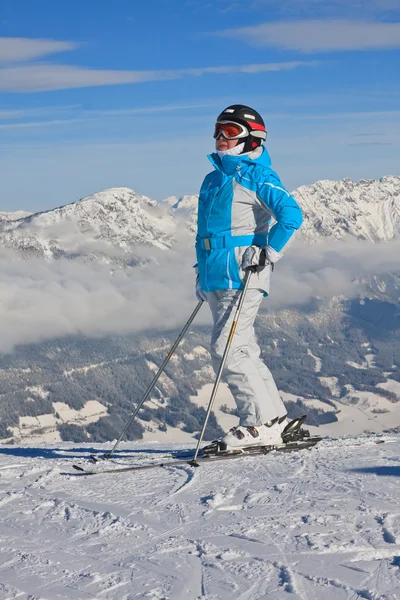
(156, 377)
(194, 462)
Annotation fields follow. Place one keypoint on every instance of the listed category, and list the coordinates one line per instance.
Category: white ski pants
(249, 379)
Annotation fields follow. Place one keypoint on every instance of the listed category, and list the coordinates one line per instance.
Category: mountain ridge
(121, 218)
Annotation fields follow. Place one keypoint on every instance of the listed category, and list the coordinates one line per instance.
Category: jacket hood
(228, 164)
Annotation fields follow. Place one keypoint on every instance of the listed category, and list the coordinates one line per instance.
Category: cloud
(317, 35)
(42, 300)
(40, 124)
(21, 49)
(41, 78)
(369, 144)
(329, 7)
(23, 113)
(79, 115)
(329, 269)
(378, 114)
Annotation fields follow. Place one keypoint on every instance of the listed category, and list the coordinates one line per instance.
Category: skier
(236, 204)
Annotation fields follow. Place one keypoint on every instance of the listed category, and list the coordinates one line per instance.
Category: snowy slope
(318, 525)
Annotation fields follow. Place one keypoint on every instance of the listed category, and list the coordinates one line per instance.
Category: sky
(95, 94)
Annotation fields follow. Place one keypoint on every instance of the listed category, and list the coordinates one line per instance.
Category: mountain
(14, 216)
(104, 225)
(118, 219)
(367, 209)
(336, 358)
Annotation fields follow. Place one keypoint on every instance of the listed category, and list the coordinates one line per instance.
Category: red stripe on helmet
(257, 126)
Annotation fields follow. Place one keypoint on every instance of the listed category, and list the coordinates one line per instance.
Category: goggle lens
(230, 131)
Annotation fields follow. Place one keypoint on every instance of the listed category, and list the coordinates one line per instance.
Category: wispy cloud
(385, 114)
(39, 124)
(369, 144)
(21, 49)
(317, 35)
(18, 118)
(329, 7)
(41, 78)
(93, 116)
(26, 113)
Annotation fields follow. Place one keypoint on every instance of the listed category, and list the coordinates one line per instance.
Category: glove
(200, 295)
(255, 259)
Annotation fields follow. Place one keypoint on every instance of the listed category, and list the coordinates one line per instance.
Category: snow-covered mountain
(14, 216)
(335, 359)
(117, 219)
(367, 209)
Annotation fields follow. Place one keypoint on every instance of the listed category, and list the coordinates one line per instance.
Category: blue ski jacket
(236, 205)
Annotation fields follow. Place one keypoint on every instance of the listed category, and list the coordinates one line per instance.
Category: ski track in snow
(321, 524)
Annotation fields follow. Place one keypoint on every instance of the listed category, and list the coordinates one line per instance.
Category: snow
(366, 209)
(14, 216)
(331, 383)
(362, 416)
(107, 224)
(369, 362)
(197, 351)
(153, 434)
(318, 361)
(391, 385)
(353, 418)
(316, 525)
(43, 428)
(223, 398)
(37, 390)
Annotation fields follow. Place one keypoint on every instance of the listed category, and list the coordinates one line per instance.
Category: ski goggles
(229, 130)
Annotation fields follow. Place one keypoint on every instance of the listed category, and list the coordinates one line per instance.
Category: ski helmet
(248, 118)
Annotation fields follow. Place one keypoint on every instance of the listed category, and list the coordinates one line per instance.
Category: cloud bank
(42, 300)
(329, 269)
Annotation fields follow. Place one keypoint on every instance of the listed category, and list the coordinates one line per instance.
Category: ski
(294, 446)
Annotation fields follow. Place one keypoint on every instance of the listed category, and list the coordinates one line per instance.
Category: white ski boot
(269, 434)
(279, 432)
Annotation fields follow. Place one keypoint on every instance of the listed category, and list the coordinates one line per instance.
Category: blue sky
(97, 94)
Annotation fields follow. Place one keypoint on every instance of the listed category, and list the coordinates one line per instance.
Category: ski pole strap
(231, 241)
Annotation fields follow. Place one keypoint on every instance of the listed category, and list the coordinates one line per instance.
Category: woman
(236, 204)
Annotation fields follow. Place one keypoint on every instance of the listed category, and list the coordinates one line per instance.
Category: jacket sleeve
(284, 208)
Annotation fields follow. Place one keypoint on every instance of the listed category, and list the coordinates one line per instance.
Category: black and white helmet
(248, 118)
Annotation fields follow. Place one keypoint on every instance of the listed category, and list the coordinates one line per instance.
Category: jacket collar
(229, 164)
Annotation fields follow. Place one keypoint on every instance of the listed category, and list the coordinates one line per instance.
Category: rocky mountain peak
(367, 209)
(118, 217)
